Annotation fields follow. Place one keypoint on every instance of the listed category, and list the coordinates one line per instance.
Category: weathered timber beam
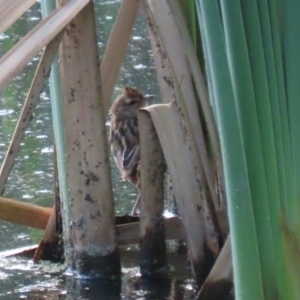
(35, 216)
(126, 234)
(23, 52)
(11, 11)
(116, 47)
(24, 213)
(130, 233)
(26, 251)
(33, 96)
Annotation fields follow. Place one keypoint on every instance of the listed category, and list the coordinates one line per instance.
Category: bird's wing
(127, 159)
(125, 146)
(130, 158)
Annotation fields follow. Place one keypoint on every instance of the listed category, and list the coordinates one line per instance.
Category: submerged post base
(153, 257)
(106, 267)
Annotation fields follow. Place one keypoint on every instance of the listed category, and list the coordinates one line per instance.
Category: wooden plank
(130, 233)
(33, 96)
(126, 234)
(11, 11)
(153, 255)
(116, 47)
(24, 213)
(35, 216)
(23, 52)
(23, 251)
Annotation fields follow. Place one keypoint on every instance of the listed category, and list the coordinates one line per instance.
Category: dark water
(31, 179)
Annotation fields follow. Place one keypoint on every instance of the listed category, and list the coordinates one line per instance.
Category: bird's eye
(132, 102)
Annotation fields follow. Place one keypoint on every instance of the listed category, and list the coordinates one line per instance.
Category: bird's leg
(136, 206)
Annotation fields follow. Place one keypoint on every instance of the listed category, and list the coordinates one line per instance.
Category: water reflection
(91, 289)
(21, 279)
(130, 288)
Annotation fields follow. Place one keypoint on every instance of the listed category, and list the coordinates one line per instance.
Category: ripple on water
(22, 279)
(5, 112)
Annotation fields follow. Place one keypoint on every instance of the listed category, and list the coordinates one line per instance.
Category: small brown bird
(124, 134)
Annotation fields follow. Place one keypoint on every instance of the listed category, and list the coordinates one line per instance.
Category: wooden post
(90, 243)
(152, 230)
(178, 153)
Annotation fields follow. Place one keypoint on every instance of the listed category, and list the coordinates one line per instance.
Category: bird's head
(127, 104)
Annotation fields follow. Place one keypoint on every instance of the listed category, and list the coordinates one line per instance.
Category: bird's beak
(148, 97)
